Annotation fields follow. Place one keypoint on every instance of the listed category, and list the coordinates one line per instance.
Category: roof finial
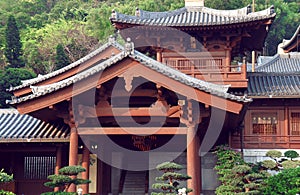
(137, 12)
(113, 14)
(111, 39)
(129, 46)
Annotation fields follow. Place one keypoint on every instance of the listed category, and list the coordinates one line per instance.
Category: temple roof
(193, 16)
(293, 43)
(129, 52)
(281, 63)
(15, 127)
(279, 77)
(77, 63)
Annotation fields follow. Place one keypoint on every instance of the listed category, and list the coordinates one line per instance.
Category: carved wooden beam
(132, 130)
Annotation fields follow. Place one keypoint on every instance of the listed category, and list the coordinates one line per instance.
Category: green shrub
(286, 182)
(5, 178)
(291, 154)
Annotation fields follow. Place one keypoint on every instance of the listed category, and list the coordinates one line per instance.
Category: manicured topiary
(274, 154)
(65, 178)
(237, 176)
(170, 180)
(288, 164)
(291, 154)
(269, 164)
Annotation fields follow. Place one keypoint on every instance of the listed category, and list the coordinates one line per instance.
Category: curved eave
(289, 45)
(74, 65)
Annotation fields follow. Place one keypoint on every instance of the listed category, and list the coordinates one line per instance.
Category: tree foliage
(67, 176)
(11, 77)
(169, 182)
(5, 178)
(61, 58)
(13, 47)
(286, 182)
(237, 176)
(80, 25)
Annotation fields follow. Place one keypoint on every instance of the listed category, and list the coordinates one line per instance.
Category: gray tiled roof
(287, 63)
(215, 89)
(41, 78)
(273, 85)
(295, 38)
(193, 16)
(279, 77)
(15, 127)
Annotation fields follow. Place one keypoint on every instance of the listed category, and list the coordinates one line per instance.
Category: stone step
(134, 183)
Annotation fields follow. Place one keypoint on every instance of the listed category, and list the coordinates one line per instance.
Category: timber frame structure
(190, 92)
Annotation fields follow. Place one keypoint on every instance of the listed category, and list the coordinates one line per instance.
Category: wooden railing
(267, 141)
(207, 66)
(202, 65)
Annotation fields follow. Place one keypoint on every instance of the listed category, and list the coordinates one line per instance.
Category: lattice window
(295, 123)
(264, 123)
(38, 167)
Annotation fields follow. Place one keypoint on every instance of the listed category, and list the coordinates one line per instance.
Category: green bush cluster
(5, 178)
(238, 177)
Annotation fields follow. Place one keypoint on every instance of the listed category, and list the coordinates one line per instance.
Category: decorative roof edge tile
(40, 78)
(45, 89)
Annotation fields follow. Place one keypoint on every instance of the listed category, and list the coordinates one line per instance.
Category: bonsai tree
(280, 162)
(169, 181)
(67, 176)
(291, 154)
(5, 178)
(237, 176)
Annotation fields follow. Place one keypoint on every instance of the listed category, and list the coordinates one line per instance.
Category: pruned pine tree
(169, 182)
(65, 178)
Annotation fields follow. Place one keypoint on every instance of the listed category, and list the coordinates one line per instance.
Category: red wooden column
(86, 165)
(58, 162)
(193, 161)
(73, 152)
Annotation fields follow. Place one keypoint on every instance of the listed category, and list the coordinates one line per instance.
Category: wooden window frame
(279, 112)
(290, 123)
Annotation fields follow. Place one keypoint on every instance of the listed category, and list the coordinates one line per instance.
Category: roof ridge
(26, 83)
(44, 89)
(268, 63)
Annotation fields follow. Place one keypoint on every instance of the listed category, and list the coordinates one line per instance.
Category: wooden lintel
(90, 112)
(131, 130)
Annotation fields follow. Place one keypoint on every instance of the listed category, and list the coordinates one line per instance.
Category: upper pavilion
(197, 40)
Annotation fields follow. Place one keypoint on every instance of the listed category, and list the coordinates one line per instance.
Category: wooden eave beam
(131, 130)
(91, 112)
